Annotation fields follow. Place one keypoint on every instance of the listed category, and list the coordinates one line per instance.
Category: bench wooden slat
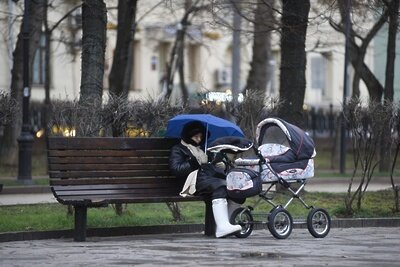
(141, 186)
(94, 172)
(110, 160)
(116, 181)
(105, 143)
(128, 199)
(109, 153)
(131, 173)
(133, 192)
(109, 167)
(148, 186)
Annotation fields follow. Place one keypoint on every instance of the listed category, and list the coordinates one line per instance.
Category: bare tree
(48, 31)
(293, 59)
(94, 22)
(385, 11)
(358, 48)
(263, 25)
(393, 9)
(176, 61)
(123, 50)
(8, 144)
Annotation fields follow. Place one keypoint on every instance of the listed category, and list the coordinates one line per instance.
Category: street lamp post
(25, 140)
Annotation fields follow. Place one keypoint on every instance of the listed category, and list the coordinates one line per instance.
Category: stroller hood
(298, 140)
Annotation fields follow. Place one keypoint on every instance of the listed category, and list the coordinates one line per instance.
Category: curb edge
(180, 228)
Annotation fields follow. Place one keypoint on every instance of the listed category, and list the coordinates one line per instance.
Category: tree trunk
(94, 21)
(358, 51)
(293, 60)
(181, 70)
(8, 144)
(177, 52)
(385, 149)
(374, 87)
(122, 66)
(391, 49)
(125, 36)
(258, 75)
(176, 62)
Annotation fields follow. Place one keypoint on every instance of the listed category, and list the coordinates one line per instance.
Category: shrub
(8, 108)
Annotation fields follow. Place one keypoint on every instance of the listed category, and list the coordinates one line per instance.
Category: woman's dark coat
(182, 162)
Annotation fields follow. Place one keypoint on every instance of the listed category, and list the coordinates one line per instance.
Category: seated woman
(189, 163)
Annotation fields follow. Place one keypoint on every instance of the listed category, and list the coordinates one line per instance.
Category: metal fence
(321, 123)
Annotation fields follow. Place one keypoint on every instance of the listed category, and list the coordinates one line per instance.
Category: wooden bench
(95, 172)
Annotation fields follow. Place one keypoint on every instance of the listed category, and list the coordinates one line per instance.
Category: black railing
(321, 123)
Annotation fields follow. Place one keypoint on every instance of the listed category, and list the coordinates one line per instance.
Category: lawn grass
(40, 217)
(39, 167)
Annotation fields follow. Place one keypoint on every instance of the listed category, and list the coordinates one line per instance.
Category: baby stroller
(284, 157)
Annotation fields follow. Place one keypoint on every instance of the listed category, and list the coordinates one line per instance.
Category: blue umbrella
(216, 126)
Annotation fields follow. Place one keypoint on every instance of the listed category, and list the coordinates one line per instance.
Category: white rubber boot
(220, 211)
(232, 206)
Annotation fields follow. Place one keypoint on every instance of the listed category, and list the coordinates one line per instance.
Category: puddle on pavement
(266, 255)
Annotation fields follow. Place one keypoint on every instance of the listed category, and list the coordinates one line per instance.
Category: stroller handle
(260, 156)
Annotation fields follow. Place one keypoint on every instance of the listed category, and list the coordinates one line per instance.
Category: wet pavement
(342, 247)
(364, 246)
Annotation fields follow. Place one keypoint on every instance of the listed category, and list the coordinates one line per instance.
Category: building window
(39, 63)
(137, 70)
(318, 73)
(194, 61)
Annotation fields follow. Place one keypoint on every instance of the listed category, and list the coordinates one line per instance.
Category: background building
(208, 55)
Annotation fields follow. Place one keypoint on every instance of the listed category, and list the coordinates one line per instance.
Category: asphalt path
(342, 247)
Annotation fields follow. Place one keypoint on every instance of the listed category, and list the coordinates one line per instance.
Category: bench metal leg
(209, 222)
(80, 223)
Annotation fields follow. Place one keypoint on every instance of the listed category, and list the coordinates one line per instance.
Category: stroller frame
(279, 220)
(286, 164)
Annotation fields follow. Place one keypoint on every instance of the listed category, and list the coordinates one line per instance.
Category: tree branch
(63, 18)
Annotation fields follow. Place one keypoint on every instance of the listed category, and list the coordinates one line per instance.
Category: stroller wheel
(318, 222)
(280, 223)
(243, 217)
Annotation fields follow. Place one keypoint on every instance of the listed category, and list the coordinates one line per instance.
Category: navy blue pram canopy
(275, 130)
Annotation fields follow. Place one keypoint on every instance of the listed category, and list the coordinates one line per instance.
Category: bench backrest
(121, 167)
